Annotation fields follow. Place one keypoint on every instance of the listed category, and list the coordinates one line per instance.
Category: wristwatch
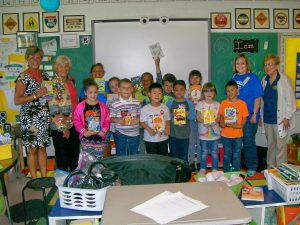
(253, 113)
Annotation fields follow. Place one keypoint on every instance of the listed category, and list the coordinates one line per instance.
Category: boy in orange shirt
(233, 115)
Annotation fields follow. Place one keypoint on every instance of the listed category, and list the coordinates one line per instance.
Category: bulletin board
(292, 47)
(81, 58)
(13, 62)
(222, 56)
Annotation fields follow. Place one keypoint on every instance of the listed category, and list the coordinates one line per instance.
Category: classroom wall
(126, 9)
(132, 9)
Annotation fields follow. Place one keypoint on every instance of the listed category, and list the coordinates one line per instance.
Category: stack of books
(290, 172)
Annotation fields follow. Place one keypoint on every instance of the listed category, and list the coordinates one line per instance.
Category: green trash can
(148, 169)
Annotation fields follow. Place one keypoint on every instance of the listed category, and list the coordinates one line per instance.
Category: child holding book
(125, 112)
(97, 72)
(143, 95)
(167, 81)
(155, 119)
(91, 120)
(194, 94)
(233, 115)
(181, 112)
(208, 126)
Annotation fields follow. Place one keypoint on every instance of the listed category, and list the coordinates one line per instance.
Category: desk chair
(38, 184)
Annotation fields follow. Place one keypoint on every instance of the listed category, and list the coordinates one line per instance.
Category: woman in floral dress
(34, 113)
(61, 107)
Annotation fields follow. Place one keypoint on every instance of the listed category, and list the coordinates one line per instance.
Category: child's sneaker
(202, 171)
(251, 173)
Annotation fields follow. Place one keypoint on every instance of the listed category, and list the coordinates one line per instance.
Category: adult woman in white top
(279, 106)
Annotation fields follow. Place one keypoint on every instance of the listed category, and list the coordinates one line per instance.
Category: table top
(223, 206)
(8, 163)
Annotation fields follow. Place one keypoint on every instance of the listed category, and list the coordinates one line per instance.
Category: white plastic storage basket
(82, 199)
(290, 193)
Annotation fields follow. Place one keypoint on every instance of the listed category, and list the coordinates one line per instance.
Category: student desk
(223, 206)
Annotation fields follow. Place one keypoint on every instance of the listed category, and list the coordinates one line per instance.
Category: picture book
(101, 85)
(285, 179)
(230, 115)
(137, 83)
(158, 123)
(292, 168)
(287, 175)
(126, 116)
(208, 116)
(48, 84)
(111, 98)
(93, 123)
(288, 172)
(195, 92)
(179, 116)
(156, 51)
(252, 193)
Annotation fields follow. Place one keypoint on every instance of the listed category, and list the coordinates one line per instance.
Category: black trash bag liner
(148, 169)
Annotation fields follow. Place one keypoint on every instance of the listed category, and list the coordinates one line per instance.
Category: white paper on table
(161, 208)
(156, 51)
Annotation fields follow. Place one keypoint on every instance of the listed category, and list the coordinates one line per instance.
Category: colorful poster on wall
(12, 62)
(297, 85)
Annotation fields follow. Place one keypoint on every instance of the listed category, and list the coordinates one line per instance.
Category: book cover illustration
(158, 123)
(156, 50)
(179, 116)
(230, 115)
(208, 116)
(48, 84)
(111, 98)
(195, 92)
(93, 124)
(252, 193)
(101, 85)
(137, 83)
(289, 171)
(126, 116)
(293, 168)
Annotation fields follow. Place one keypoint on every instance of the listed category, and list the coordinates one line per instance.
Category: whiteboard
(122, 46)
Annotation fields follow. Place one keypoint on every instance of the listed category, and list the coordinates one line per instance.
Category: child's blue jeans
(126, 145)
(179, 148)
(211, 147)
(194, 146)
(232, 153)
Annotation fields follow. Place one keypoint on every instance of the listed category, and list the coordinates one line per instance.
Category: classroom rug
(34, 209)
